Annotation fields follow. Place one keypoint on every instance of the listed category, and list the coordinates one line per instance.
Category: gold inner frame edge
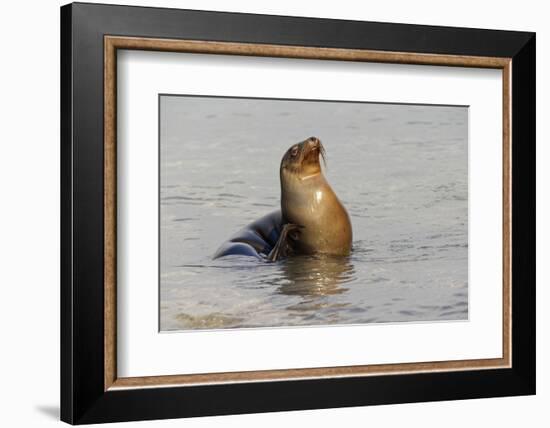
(113, 43)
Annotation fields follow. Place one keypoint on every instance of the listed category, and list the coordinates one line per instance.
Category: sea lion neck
(301, 183)
(307, 177)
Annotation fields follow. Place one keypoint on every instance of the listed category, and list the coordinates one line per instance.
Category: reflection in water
(315, 275)
(311, 284)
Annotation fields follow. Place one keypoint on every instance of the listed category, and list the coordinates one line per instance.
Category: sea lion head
(302, 159)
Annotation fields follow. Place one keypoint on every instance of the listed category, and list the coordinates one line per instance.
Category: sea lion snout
(313, 142)
(313, 148)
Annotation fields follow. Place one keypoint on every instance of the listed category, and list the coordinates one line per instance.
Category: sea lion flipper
(283, 246)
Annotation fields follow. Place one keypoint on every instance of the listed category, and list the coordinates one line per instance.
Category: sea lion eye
(294, 151)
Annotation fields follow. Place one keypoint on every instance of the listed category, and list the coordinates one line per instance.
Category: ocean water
(400, 170)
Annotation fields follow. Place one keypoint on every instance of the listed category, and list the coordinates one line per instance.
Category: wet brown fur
(308, 200)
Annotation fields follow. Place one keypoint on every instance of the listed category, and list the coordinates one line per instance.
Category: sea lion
(312, 220)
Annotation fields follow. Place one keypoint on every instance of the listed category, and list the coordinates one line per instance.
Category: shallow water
(400, 170)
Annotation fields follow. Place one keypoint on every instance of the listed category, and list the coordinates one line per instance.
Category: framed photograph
(265, 213)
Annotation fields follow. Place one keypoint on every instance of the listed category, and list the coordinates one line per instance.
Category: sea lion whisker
(323, 154)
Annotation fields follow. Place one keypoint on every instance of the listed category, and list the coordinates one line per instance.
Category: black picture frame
(83, 398)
